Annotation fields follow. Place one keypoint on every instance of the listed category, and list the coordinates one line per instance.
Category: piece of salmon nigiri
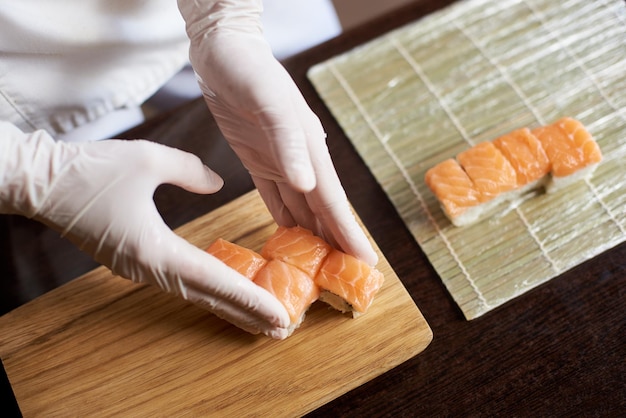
(348, 284)
(295, 289)
(492, 174)
(527, 156)
(455, 192)
(572, 151)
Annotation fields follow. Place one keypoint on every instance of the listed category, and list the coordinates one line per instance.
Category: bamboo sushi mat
(469, 73)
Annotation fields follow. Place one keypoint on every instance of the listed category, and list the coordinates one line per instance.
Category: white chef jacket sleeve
(67, 63)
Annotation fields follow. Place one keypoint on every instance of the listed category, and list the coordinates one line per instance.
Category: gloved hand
(267, 122)
(99, 195)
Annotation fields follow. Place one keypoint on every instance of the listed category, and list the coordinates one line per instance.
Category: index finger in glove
(177, 167)
(286, 133)
(331, 206)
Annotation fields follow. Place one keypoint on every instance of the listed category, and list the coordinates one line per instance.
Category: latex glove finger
(324, 211)
(286, 130)
(331, 206)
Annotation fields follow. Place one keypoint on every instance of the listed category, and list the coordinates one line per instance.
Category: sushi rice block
(295, 289)
(297, 246)
(244, 260)
(347, 283)
(573, 152)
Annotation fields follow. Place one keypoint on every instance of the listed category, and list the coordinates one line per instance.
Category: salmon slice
(295, 289)
(297, 246)
(453, 188)
(491, 173)
(347, 283)
(244, 260)
(569, 146)
(526, 154)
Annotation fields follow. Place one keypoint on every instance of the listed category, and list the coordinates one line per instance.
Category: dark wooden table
(558, 350)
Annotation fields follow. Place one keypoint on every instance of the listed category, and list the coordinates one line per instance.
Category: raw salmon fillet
(244, 260)
(526, 154)
(569, 146)
(452, 187)
(295, 289)
(297, 246)
(491, 173)
(351, 279)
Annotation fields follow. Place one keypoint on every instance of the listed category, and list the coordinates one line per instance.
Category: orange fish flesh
(244, 260)
(491, 173)
(569, 146)
(297, 246)
(452, 187)
(351, 280)
(526, 155)
(512, 164)
(295, 289)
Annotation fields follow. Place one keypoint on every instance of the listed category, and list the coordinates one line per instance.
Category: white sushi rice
(549, 183)
(338, 303)
(558, 183)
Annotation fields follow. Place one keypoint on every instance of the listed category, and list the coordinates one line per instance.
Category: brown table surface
(558, 350)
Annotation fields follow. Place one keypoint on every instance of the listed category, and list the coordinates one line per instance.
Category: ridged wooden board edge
(102, 345)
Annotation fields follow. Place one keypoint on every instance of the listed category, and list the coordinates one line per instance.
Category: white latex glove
(100, 196)
(267, 122)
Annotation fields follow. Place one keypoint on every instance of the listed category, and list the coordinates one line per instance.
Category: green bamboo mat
(467, 74)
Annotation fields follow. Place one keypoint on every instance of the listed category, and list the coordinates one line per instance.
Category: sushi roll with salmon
(491, 173)
(298, 267)
(488, 173)
(346, 283)
(471, 185)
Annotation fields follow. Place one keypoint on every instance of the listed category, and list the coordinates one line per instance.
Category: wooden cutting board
(103, 345)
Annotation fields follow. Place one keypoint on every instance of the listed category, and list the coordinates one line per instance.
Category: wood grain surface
(102, 344)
